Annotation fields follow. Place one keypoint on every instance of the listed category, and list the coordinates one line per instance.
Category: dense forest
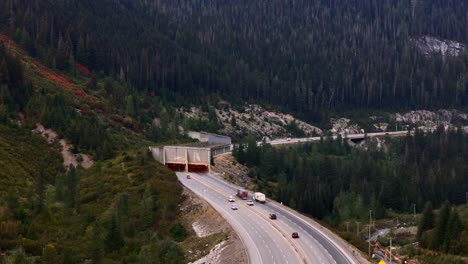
(48, 215)
(123, 209)
(445, 231)
(331, 179)
(307, 57)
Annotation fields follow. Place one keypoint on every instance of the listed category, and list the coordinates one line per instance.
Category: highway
(269, 241)
(286, 141)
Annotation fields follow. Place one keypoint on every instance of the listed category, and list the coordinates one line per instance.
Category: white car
(234, 207)
(231, 199)
(250, 203)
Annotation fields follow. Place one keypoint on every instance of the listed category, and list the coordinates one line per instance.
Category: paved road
(264, 242)
(285, 141)
(253, 226)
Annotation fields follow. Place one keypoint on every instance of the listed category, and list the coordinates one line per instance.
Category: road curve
(314, 245)
(264, 242)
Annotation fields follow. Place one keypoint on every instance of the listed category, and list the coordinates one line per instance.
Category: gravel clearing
(69, 159)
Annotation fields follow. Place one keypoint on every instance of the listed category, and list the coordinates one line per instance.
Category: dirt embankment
(69, 159)
(232, 171)
(212, 239)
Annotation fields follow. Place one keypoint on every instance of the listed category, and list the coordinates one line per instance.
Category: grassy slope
(132, 174)
(21, 155)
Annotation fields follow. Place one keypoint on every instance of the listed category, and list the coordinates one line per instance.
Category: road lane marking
(296, 249)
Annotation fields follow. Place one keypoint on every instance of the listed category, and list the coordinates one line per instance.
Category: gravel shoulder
(211, 238)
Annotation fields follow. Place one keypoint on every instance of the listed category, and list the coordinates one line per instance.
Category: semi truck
(243, 194)
(259, 197)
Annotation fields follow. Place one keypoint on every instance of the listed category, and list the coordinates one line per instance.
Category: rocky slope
(431, 45)
(215, 241)
(421, 119)
(254, 120)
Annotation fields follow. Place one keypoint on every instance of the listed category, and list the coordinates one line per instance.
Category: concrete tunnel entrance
(179, 158)
(201, 168)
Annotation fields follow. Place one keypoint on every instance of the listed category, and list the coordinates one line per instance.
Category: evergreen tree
(96, 248)
(441, 226)
(114, 238)
(454, 229)
(40, 189)
(427, 220)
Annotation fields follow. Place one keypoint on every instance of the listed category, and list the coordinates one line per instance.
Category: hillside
(124, 207)
(308, 58)
(22, 157)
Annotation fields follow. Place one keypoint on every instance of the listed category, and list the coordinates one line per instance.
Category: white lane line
(263, 229)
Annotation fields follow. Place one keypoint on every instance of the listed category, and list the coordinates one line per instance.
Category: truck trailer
(243, 194)
(259, 197)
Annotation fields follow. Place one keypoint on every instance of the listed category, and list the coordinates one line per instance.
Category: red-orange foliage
(7, 40)
(80, 93)
(83, 69)
(56, 77)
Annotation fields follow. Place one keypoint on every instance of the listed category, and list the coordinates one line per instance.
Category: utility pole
(414, 211)
(347, 227)
(466, 194)
(357, 232)
(370, 223)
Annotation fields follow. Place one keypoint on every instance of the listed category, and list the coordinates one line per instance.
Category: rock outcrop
(431, 45)
(254, 120)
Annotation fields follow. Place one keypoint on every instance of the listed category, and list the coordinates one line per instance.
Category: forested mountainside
(122, 209)
(307, 57)
(335, 182)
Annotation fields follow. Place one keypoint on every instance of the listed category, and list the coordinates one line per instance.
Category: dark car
(295, 235)
(188, 176)
(273, 216)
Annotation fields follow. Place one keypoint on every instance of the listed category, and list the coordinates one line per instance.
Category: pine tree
(40, 188)
(427, 220)
(441, 226)
(60, 188)
(72, 180)
(454, 229)
(114, 238)
(96, 248)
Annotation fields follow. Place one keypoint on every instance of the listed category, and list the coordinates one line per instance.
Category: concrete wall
(221, 150)
(182, 155)
(158, 154)
(208, 137)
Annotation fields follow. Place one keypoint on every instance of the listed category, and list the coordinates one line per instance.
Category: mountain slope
(122, 209)
(307, 57)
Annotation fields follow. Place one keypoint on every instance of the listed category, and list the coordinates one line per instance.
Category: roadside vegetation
(339, 184)
(124, 208)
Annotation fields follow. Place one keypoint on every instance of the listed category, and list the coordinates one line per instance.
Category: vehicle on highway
(250, 203)
(295, 235)
(231, 199)
(234, 207)
(288, 139)
(188, 176)
(243, 194)
(273, 216)
(260, 197)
